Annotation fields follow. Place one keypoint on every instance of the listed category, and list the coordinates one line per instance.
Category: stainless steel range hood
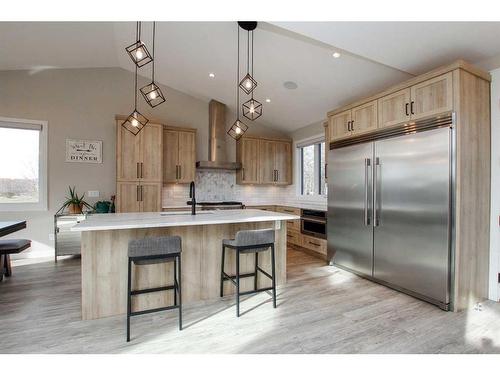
(217, 150)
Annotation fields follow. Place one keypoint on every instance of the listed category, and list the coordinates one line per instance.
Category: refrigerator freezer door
(350, 231)
(412, 203)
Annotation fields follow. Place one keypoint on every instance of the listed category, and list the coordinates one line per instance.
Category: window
(312, 168)
(23, 146)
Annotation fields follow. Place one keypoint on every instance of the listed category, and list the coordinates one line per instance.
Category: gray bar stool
(152, 250)
(245, 242)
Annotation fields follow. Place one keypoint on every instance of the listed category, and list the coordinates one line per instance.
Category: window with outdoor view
(312, 169)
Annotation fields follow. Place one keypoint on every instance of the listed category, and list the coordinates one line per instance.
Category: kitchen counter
(176, 219)
(104, 251)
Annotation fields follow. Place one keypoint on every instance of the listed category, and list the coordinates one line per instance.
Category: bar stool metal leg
(273, 274)
(237, 283)
(222, 271)
(129, 299)
(256, 268)
(175, 281)
(180, 291)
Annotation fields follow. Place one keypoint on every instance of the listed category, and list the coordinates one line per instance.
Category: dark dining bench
(11, 246)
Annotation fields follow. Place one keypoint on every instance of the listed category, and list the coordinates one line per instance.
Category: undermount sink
(185, 213)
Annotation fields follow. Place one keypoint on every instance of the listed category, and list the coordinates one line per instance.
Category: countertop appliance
(313, 223)
(390, 207)
(223, 205)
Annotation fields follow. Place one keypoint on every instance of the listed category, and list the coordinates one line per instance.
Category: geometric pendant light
(152, 92)
(248, 83)
(135, 121)
(252, 109)
(138, 51)
(238, 128)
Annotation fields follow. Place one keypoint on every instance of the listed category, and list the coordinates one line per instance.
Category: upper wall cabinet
(364, 118)
(139, 157)
(247, 153)
(264, 161)
(179, 155)
(339, 125)
(394, 108)
(432, 97)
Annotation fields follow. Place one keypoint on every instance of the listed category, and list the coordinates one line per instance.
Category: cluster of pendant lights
(252, 109)
(151, 93)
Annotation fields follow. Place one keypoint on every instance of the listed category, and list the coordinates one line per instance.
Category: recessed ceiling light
(290, 85)
(336, 55)
(211, 75)
(268, 100)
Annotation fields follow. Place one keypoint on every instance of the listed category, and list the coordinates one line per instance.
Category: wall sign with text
(82, 151)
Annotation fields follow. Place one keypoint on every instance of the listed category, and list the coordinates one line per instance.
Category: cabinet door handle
(137, 193)
(137, 170)
(406, 109)
(243, 173)
(411, 107)
(142, 170)
(277, 175)
(312, 243)
(142, 191)
(352, 125)
(180, 172)
(176, 172)
(348, 126)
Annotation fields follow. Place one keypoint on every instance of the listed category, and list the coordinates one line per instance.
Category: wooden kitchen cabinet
(432, 97)
(283, 163)
(339, 125)
(364, 118)
(138, 157)
(247, 153)
(179, 155)
(394, 108)
(267, 167)
(138, 196)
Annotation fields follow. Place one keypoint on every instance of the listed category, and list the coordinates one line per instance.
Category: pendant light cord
(252, 63)
(154, 37)
(137, 36)
(238, 77)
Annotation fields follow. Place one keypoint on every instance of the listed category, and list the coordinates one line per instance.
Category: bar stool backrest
(254, 237)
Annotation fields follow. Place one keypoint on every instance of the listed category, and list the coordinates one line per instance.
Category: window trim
(42, 204)
(298, 168)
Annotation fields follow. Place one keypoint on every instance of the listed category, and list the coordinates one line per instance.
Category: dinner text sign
(83, 151)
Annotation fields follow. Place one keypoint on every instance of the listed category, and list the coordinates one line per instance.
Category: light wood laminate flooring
(321, 309)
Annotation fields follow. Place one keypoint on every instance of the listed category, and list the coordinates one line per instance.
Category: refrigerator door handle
(376, 204)
(367, 165)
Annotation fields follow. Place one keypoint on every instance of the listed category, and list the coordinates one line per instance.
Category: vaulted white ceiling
(373, 56)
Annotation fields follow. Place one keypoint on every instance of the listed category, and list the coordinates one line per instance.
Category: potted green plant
(74, 203)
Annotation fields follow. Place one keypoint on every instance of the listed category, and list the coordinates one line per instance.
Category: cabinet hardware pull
(406, 109)
(411, 107)
(315, 244)
(176, 172)
(348, 126)
(243, 174)
(277, 175)
(137, 193)
(352, 125)
(142, 170)
(137, 170)
(180, 172)
(142, 191)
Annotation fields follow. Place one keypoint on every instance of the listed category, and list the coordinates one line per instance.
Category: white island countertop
(176, 219)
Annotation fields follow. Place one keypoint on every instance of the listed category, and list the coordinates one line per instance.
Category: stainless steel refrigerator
(390, 207)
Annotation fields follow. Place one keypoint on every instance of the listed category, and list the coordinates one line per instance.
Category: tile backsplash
(217, 185)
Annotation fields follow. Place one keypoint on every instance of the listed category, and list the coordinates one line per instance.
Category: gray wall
(82, 104)
(308, 131)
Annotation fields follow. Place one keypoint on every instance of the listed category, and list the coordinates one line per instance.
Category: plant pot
(75, 208)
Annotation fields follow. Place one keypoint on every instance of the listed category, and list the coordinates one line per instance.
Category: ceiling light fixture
(151, 92)
(238, 128)
(138, 51)
(268, 100)
(248, 83)
(336, 55)
(211, 75)
(252, 109)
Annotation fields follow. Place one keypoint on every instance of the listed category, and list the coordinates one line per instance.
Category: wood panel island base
(104, 257)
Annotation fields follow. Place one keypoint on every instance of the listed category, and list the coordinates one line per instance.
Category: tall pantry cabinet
(139, 173)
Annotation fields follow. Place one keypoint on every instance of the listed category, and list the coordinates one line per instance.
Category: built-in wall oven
(313, 223)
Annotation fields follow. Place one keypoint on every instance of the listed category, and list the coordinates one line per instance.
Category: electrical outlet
(93, 193)
(51, 237)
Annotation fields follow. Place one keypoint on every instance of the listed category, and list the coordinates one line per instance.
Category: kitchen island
(104, 256)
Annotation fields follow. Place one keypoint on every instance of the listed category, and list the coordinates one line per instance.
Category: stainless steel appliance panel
(350, 232)
(411, 212)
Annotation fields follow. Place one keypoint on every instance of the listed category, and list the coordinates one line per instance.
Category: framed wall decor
(83, 151)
